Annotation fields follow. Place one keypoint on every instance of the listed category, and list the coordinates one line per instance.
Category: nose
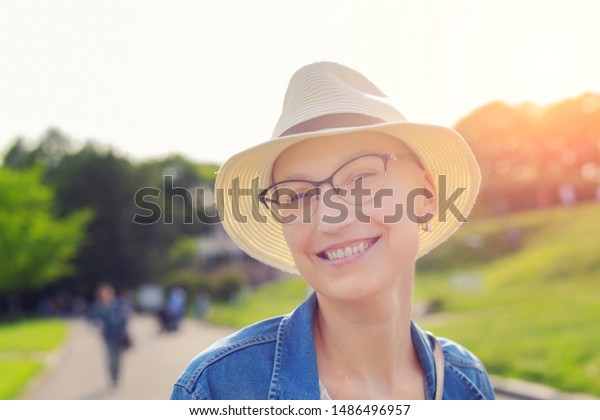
(332, 212)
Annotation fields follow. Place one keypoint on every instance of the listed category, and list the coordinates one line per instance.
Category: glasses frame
(386, 157)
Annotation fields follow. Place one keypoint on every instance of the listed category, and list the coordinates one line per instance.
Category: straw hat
(324, 99)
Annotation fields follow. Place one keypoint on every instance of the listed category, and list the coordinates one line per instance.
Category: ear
(427, 204)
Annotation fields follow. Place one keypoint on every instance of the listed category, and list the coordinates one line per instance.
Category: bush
(223, 285)
(226, 283)
(192, 280)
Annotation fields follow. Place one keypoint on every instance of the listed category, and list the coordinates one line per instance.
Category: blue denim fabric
(275, 359)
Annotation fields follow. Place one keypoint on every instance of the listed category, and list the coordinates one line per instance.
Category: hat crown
(327, 88)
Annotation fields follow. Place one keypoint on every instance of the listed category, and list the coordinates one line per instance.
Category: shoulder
(465, 376)
(240, 364)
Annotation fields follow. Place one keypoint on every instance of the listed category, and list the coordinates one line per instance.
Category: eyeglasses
(295, 200)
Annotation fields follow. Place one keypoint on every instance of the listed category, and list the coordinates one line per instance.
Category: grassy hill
(531, 312)
(522, 292)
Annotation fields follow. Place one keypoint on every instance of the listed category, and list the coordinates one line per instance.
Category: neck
(367, 342)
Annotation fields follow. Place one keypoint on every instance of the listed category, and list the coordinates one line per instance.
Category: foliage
(18, 156)
(36, 247)
(207, 172)
(183, 252)
(227, 283)
(119, 251)
(526, 152)
(223, 285)
(23, 347)
(93, 177)
(192, 280)
(49, 151)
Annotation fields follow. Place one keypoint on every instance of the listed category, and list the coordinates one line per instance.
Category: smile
(348, 250)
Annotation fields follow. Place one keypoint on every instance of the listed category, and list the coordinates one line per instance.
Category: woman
(354, 195)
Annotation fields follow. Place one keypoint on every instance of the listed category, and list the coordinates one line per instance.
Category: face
(375, 256)
(106, 294)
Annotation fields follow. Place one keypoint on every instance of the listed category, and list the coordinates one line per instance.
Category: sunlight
(548, 67)
(549, 64)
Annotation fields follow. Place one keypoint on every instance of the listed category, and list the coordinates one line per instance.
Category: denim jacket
(275, 359)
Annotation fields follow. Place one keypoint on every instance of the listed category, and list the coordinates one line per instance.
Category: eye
(290, 196)
(359, 179)
(362, 176)
(303, 196)
(295, 197)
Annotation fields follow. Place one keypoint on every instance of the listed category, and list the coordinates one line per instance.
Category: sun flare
(548, 68)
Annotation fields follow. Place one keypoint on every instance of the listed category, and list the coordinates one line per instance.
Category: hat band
(332, 121)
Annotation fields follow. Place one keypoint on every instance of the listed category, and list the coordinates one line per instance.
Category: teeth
(348, 251)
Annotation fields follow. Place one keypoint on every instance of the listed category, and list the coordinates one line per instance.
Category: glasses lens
(292, 202)
(361, 178)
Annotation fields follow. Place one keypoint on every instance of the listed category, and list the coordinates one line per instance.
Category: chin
(349, 290)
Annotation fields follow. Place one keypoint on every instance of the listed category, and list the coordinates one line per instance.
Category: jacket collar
(423, 347)
(295, 371)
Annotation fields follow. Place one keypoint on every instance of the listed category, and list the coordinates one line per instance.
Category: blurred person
(175, 307)
(111, 315)
(202, 304)
(340, 166)
(163, 319)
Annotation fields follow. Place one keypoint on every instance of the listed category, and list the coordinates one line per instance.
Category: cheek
(388, 207)
(393, 213)
(297, 238)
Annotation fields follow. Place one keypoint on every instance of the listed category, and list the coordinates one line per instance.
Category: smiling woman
(341, 163)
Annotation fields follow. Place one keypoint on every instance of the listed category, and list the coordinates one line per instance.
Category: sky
(206, 79)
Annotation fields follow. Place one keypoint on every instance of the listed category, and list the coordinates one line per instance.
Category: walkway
(149, 368)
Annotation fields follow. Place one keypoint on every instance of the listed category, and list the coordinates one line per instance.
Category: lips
(339, 252)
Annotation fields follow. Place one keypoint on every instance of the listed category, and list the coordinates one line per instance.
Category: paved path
(148, 371)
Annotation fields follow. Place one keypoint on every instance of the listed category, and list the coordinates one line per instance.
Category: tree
(526, 152)
(119, 249)
(36, 247)
(51, 148)
(18, 156)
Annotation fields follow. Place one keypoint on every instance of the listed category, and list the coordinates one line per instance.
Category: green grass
(23, 346)
(531, 313)
(264, 302)
(15, 376)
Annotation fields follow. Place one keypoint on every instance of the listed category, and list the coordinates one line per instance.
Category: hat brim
(441, 150)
